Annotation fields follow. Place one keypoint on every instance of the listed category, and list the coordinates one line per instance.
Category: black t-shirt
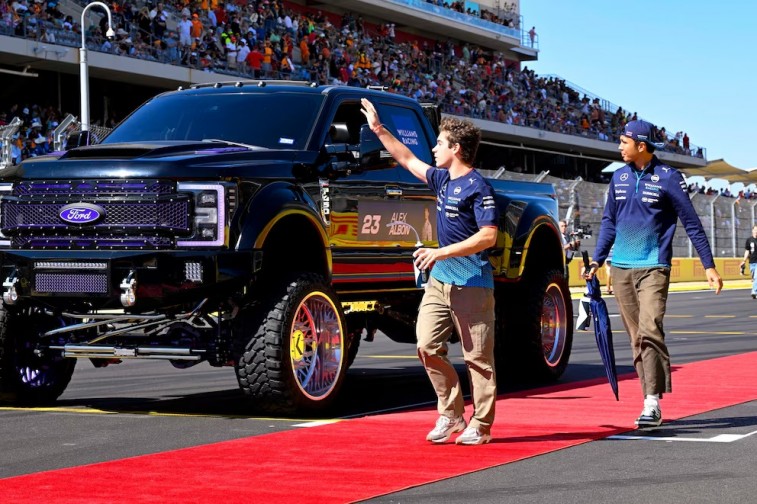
(751, 247)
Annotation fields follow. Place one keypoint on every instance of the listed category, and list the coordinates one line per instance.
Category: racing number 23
(371, 224)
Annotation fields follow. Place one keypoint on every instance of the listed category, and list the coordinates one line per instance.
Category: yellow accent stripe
(722, 333)
(720, 316)
(95, 411)
(388, 356)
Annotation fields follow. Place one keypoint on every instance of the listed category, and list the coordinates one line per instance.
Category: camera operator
(570, 244)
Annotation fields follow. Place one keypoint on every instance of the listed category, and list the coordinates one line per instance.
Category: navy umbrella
(602, 329)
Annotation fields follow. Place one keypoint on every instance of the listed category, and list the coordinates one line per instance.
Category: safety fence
(727, 221)
(13, 142)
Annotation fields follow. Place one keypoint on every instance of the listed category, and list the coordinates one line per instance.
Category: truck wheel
(28, 376)
(541, 327)
(296, 359)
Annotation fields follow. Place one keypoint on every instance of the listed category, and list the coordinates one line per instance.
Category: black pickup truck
(256, 225)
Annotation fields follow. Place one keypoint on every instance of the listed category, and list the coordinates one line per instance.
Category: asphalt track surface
(148, 407)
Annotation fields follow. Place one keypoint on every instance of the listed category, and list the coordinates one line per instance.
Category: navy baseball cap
(641, 131)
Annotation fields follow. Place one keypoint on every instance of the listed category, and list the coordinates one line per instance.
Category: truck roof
(263, 86)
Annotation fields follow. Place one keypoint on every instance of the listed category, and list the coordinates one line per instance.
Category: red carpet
(363, 458)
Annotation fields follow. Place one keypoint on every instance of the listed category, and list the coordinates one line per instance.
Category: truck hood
(179, 160)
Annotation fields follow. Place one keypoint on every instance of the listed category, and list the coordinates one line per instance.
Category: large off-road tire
(30, 374)
(295, 359)
(538, 319)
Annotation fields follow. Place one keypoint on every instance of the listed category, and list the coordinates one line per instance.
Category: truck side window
(405, 124)
(349, 114)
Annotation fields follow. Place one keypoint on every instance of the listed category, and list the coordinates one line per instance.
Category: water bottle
(421, 275)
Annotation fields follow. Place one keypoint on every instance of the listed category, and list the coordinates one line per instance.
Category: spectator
(255, 61)
(184, 27)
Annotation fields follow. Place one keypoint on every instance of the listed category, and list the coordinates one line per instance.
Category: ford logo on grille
(81, 213)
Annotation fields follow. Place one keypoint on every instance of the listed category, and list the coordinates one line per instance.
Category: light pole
(83, 71)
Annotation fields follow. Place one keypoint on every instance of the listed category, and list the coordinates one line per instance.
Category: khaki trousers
(470, 312)
(642, 295)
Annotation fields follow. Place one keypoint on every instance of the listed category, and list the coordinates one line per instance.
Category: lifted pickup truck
(257, 225)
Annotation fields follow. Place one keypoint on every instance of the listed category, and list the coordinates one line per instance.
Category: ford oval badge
(81, 213)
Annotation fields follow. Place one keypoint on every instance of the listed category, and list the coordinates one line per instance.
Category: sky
(685, 65)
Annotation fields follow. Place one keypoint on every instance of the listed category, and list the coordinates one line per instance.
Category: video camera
(577, 235)
(581, 233)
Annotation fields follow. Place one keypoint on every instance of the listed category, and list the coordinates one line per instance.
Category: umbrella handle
(585, 255)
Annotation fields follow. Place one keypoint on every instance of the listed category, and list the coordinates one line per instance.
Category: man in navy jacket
(645, 200)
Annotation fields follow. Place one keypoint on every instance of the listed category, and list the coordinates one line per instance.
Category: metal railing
(6, 139)
(467, 19)
(69, 127)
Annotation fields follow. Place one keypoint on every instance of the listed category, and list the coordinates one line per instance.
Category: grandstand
(469, 56)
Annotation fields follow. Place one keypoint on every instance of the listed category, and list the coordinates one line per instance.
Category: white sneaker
(473, 436)
(651, 415)
(445, 426)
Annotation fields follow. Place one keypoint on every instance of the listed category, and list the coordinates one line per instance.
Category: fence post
(572, 199)
(733, 227)
(59, 133)
(6, 138)
(541, 176)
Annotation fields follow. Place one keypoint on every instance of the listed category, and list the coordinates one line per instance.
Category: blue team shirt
(463, 206)
(640, 218)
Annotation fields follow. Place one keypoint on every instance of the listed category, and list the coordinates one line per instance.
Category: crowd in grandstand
(265, 38)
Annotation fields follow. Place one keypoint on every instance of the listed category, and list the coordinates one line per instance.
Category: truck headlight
(211, 211)
(4, 189)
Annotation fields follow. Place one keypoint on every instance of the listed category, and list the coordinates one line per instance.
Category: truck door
(375, 217)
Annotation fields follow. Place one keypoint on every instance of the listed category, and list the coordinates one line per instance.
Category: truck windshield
(271, 120)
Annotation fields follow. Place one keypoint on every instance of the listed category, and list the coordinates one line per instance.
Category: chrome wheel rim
(553, 325)
(316, 346)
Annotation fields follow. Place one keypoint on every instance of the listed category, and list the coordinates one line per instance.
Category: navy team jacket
(640, 218)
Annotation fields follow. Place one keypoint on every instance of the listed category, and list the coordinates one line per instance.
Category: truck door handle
(394, 192)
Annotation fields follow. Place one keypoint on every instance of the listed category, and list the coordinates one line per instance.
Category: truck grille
(71, 283)
(141, 214)
(75, 278)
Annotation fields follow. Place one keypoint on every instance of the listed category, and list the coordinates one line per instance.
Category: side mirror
(373, 155)
(79, 139)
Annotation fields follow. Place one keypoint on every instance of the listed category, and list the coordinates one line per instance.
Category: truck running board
(140, 352)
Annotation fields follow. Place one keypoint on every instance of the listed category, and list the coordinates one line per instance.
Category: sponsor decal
(655, 178)
(325, 201)
(81, 213)
(457, 190)
(408, 133)
(650, 193)
(624, 177)
(395, 220)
